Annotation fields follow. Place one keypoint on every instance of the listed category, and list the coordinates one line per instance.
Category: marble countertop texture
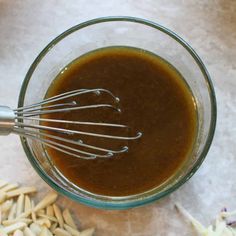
(26, 26)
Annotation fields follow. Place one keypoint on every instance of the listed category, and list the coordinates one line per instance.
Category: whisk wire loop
(28, 122)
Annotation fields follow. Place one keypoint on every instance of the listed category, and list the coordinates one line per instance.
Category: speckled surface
(209, 26)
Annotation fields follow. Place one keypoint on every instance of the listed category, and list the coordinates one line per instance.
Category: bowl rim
(144, 200)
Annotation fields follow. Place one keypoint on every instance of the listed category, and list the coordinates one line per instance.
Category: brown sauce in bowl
(154, 100)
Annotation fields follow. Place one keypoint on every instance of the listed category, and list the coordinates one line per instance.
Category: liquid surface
(154, 100)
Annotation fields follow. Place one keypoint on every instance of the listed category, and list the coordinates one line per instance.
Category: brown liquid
(154, 100)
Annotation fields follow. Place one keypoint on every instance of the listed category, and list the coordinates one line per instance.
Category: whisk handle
(7, 120)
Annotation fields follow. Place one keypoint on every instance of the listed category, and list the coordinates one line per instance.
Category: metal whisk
(17, 121)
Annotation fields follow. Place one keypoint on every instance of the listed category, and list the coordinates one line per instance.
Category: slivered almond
(43, 232)
(53, 227)
(28, 232)
(27, 203)
(25, 214)
(9, 187)
(12, 212)
(11, 228)
(3, 196)
(51, 218)
(87, 232)
(42, 212)
(33, 215)
(61, 232)
(23, 190)
(6, 206)
(43, 222)
(49, 232)
(71, 230)
(0, 215)
(49, 211)
(11, 222)
(18, 233)
(19, 204)
(48, 200)
(68, 218)
(35, 228)
(3, 217)
(58, 215)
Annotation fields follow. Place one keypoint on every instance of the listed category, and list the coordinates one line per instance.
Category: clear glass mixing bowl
(114, 31)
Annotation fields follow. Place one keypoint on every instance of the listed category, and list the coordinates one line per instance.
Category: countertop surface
(209, 26)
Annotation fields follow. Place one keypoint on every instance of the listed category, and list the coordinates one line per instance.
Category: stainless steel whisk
(15, 121)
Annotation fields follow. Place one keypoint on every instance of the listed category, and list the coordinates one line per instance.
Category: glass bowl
(120, 31)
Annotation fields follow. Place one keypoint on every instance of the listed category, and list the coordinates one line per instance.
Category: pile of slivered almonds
(224, 225)
(20, 216)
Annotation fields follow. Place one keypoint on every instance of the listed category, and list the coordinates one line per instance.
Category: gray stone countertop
(26, 26)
